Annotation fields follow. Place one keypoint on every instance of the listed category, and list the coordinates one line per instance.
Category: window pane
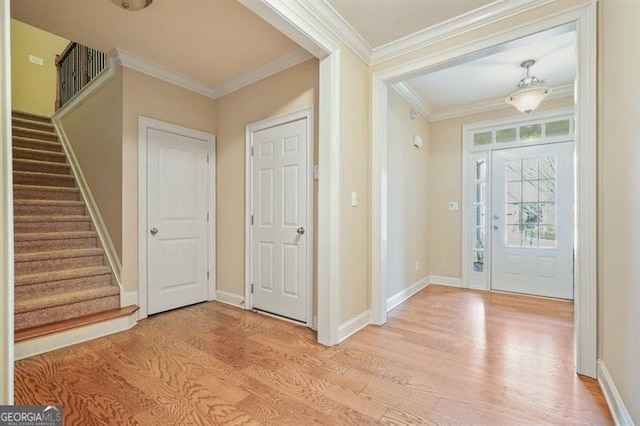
(514, 194)
(506, 135)
(484, 138)
(547, 167)
(530, 191)
(478, 239)
(531, 131)
(547, 190)
(479, 194)
(530, 236)
(513, 170)
(478, 261)
(530, 169)
(481, 169)
(547, 236)
(548, 213)
(513, 235)
(513, 213)
(530, 213)
(478, 215)
(558, 128)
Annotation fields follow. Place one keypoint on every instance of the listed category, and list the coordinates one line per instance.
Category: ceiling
(208, 41)
(382, 21)
(493, 77)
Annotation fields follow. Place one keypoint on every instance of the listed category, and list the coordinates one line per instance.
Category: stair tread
(43, 174)
(38, 132)
(57, 218)
(35, 236)
(57, 144)
(65, 298)
(38, 151)
(57, 254)
(30, 202)
(62, 274)
(56, 327)
(32, 116)
(26, 186)
(37, 162)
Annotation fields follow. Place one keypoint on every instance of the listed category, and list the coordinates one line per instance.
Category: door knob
(300, 230)
(153, 231)
(495, 226)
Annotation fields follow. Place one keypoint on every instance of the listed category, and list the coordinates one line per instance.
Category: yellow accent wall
(33, 87)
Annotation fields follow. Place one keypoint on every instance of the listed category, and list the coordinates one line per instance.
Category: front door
(532, 220)
(177, 238)
(279, 243)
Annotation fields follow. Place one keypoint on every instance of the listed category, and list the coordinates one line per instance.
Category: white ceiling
(209, 41)
(382, 21)
(495, 76)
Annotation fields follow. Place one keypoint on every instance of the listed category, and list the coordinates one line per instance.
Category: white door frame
(467, 151)
(250, 129)
(144, 125)
(584, 17)
(293, 20)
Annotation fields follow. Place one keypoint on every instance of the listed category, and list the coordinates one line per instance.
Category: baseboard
(51, 342)
(230, 298)
(448, 281)
(128, 298)
(314, 325)
(354, 325)
(616, 405)
(403, 295)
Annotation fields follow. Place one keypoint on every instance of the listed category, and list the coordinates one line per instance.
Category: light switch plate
(354, 199)
(453, 205)
(36, 60)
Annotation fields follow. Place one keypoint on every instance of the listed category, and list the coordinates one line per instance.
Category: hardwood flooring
(446, 356)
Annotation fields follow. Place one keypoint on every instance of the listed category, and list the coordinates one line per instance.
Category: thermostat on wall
(417, 141)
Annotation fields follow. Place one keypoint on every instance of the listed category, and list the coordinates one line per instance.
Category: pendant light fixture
(132, 5)
(531, 91)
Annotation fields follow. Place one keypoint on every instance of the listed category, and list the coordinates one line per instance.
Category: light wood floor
(445, 356)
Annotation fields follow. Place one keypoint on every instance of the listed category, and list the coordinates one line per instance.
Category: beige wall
(446, 174)
(408, 208)
(288, 91)
(157, 99)
(94, 130)
(33, 87)
(355, 173)
(619, 198)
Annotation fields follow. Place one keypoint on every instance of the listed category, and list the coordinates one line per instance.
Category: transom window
(523, 133)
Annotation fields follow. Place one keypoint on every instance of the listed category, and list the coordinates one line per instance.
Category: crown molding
(414, 100)
(334, 21)
(128, 60)
(290, 60)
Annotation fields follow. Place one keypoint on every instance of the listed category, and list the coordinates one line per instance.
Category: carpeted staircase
(61, 272)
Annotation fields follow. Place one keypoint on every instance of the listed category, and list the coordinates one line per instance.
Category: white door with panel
(279, 200)
(532, 220)
(177, 208)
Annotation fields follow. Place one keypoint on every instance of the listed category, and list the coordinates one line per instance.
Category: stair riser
(34, 144)
(35, 266)
(43, 194)
(27, 116)
(34, 125)
(70, 226)
(63, 286)
(50, 245)
(44, 210)
(60, 180)
(34, 134)
(61, 313)
(55, 168)
(54, 157)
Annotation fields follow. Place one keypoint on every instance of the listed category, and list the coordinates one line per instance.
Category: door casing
(144, 124)
(250, 129)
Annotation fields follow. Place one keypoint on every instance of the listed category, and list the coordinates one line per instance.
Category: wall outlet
(36, 60)
(453, 205)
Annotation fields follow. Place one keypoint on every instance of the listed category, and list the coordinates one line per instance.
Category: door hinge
(251, 288)
(207, 217)
(252, 150)
(207, 158)
(251, 219)
(207, 274)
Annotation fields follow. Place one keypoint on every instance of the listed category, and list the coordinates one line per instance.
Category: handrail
(76, 66)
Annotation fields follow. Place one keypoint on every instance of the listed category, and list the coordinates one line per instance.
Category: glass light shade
(132, 5)
(528, 99)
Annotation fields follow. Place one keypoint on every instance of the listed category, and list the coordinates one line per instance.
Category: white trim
(585, 301)
(128, 298)
(212, 218)
(414, 99)
(250, 129)
(616, 405)
(285, 62)
(229, 298)
(6, 213)
(89, 90)
(290, 19)
(51, 342)
(144, 124)
(403, 295)
(446, 281)
(355, 324)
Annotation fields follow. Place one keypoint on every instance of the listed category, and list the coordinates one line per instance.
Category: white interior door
(177, 238)
(532, 220)
(279, 243)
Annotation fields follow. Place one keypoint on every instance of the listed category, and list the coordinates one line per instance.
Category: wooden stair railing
(76, 66)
